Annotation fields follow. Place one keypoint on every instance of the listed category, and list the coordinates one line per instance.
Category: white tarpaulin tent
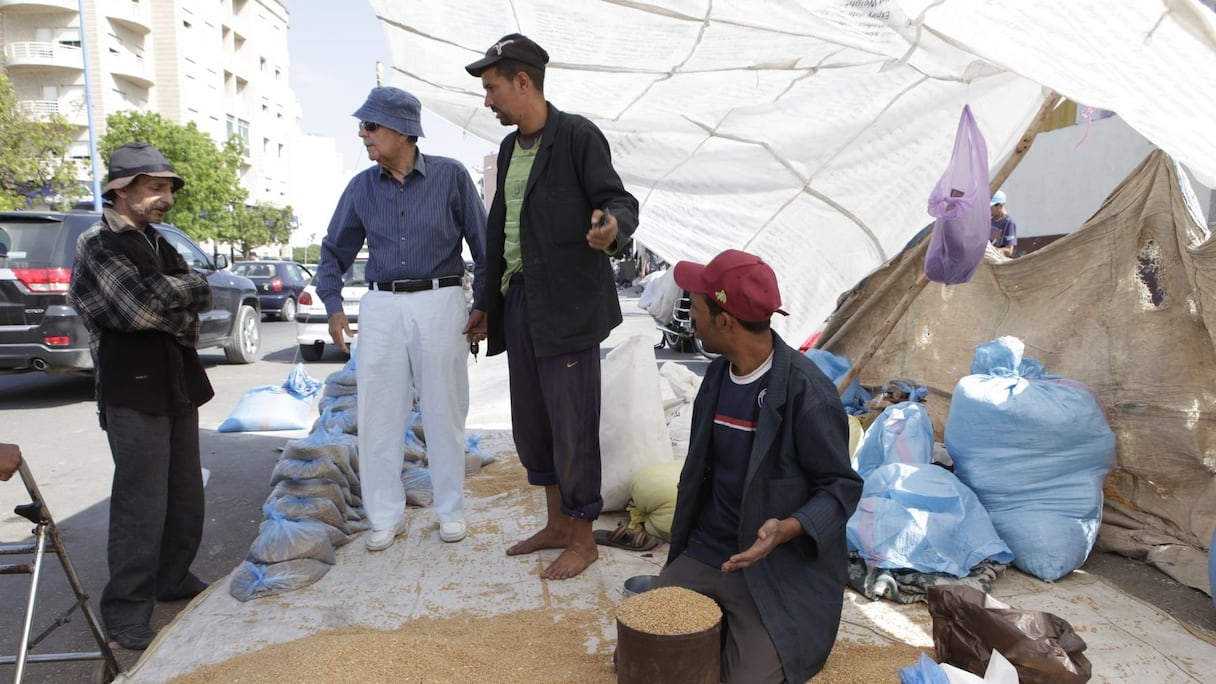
(812, 132)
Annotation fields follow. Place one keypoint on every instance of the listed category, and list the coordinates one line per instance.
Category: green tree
(34, 164)
(211, 171)
(249, 227)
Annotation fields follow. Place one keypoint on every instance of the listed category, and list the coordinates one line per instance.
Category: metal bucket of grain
(668, 634)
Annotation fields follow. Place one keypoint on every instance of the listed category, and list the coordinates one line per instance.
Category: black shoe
(188, 589)
(133, 637)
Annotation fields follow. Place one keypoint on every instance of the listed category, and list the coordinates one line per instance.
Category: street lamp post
(88, 105)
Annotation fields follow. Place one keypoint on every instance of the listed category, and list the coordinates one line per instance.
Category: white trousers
(407, 343)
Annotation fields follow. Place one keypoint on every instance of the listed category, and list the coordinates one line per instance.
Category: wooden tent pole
(997, 180)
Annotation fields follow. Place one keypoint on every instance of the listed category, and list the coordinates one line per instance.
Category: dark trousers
(748, 654)
(156, 511)
(555, 412)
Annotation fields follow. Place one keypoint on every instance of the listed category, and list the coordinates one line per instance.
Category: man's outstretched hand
(772, 534)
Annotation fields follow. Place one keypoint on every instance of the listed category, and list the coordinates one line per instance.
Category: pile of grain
(669, 610)
(539, 646)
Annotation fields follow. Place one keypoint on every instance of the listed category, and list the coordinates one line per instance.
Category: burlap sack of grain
(306, 489)
(281, 539)
(318, 509)
(346, 422)
(340, 448)
(350, 402)
(341, 383)
(653, 498)
(316, 469)
(417, 482)
(255, 580)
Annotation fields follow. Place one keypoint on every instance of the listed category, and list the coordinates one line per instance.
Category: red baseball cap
(742, 284)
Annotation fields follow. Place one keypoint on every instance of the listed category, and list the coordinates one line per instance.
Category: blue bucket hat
(392, 108)
(998, 198)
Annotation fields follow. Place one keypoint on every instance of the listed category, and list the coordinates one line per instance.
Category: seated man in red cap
(767, 486)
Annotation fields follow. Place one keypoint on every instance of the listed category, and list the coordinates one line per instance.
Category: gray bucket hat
(137, 159)
(393, 108)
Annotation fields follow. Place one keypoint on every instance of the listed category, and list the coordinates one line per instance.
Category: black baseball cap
(514, 46)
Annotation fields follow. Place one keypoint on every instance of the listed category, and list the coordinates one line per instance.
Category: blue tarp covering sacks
(922, 517)
(1035, 449)
(902, 433)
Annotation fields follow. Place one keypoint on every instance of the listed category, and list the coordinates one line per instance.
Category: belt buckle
(399, 286)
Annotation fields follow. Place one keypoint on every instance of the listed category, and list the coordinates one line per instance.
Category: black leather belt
(415, 285)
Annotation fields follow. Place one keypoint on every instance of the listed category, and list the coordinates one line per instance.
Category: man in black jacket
(559, 213)
(140, 303)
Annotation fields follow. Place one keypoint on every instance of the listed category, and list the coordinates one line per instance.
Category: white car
(312, 325)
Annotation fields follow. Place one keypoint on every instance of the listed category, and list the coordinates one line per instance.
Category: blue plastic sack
(275, 407)
(282, 539)
(921, 517)
(255, 580)
(924, 671)
(960, 204)
(836, 367)
(1035, 449)
(902, 433)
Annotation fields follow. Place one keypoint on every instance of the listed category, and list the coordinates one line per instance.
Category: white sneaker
(380, 540)
(452, 532)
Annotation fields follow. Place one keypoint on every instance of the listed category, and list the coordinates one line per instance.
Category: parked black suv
(39, 331)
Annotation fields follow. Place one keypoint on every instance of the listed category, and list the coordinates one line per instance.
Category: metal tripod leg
(37, 513)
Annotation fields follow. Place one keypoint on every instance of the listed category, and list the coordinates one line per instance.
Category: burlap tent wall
(1125, 304)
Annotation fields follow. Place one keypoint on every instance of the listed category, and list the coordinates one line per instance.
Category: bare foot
(547, 538)
(573, 561)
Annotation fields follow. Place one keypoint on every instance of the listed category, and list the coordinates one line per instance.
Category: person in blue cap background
(415, 329)
(1004, 234)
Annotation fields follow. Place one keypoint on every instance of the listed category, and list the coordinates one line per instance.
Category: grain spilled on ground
(503, 475)
(852, 662)
(526, 647)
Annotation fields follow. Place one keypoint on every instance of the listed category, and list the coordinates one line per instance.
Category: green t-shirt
(517, 181)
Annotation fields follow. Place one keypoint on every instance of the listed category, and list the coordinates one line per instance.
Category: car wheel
(312, 352)
(288, 312)
(246, 337)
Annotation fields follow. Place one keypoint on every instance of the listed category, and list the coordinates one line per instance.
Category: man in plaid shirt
(140, 303)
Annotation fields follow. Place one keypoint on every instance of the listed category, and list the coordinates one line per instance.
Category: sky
(334, 47)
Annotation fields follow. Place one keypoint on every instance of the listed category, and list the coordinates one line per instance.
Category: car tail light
(276, 284)
(44, 280)
(57, 341)
(305, 299)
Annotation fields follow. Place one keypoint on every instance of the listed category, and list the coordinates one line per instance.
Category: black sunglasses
(369, 126)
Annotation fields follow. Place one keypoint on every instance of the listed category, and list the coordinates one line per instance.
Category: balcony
(73, 110)
(130, 67)
(44, 55)
(132, 15)
(29, 6)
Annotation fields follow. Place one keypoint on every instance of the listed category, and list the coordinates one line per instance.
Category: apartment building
(221, 64)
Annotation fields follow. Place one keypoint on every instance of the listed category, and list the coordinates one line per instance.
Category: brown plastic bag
(968, 625)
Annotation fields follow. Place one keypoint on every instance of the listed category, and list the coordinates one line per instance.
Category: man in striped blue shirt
(413, 210)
